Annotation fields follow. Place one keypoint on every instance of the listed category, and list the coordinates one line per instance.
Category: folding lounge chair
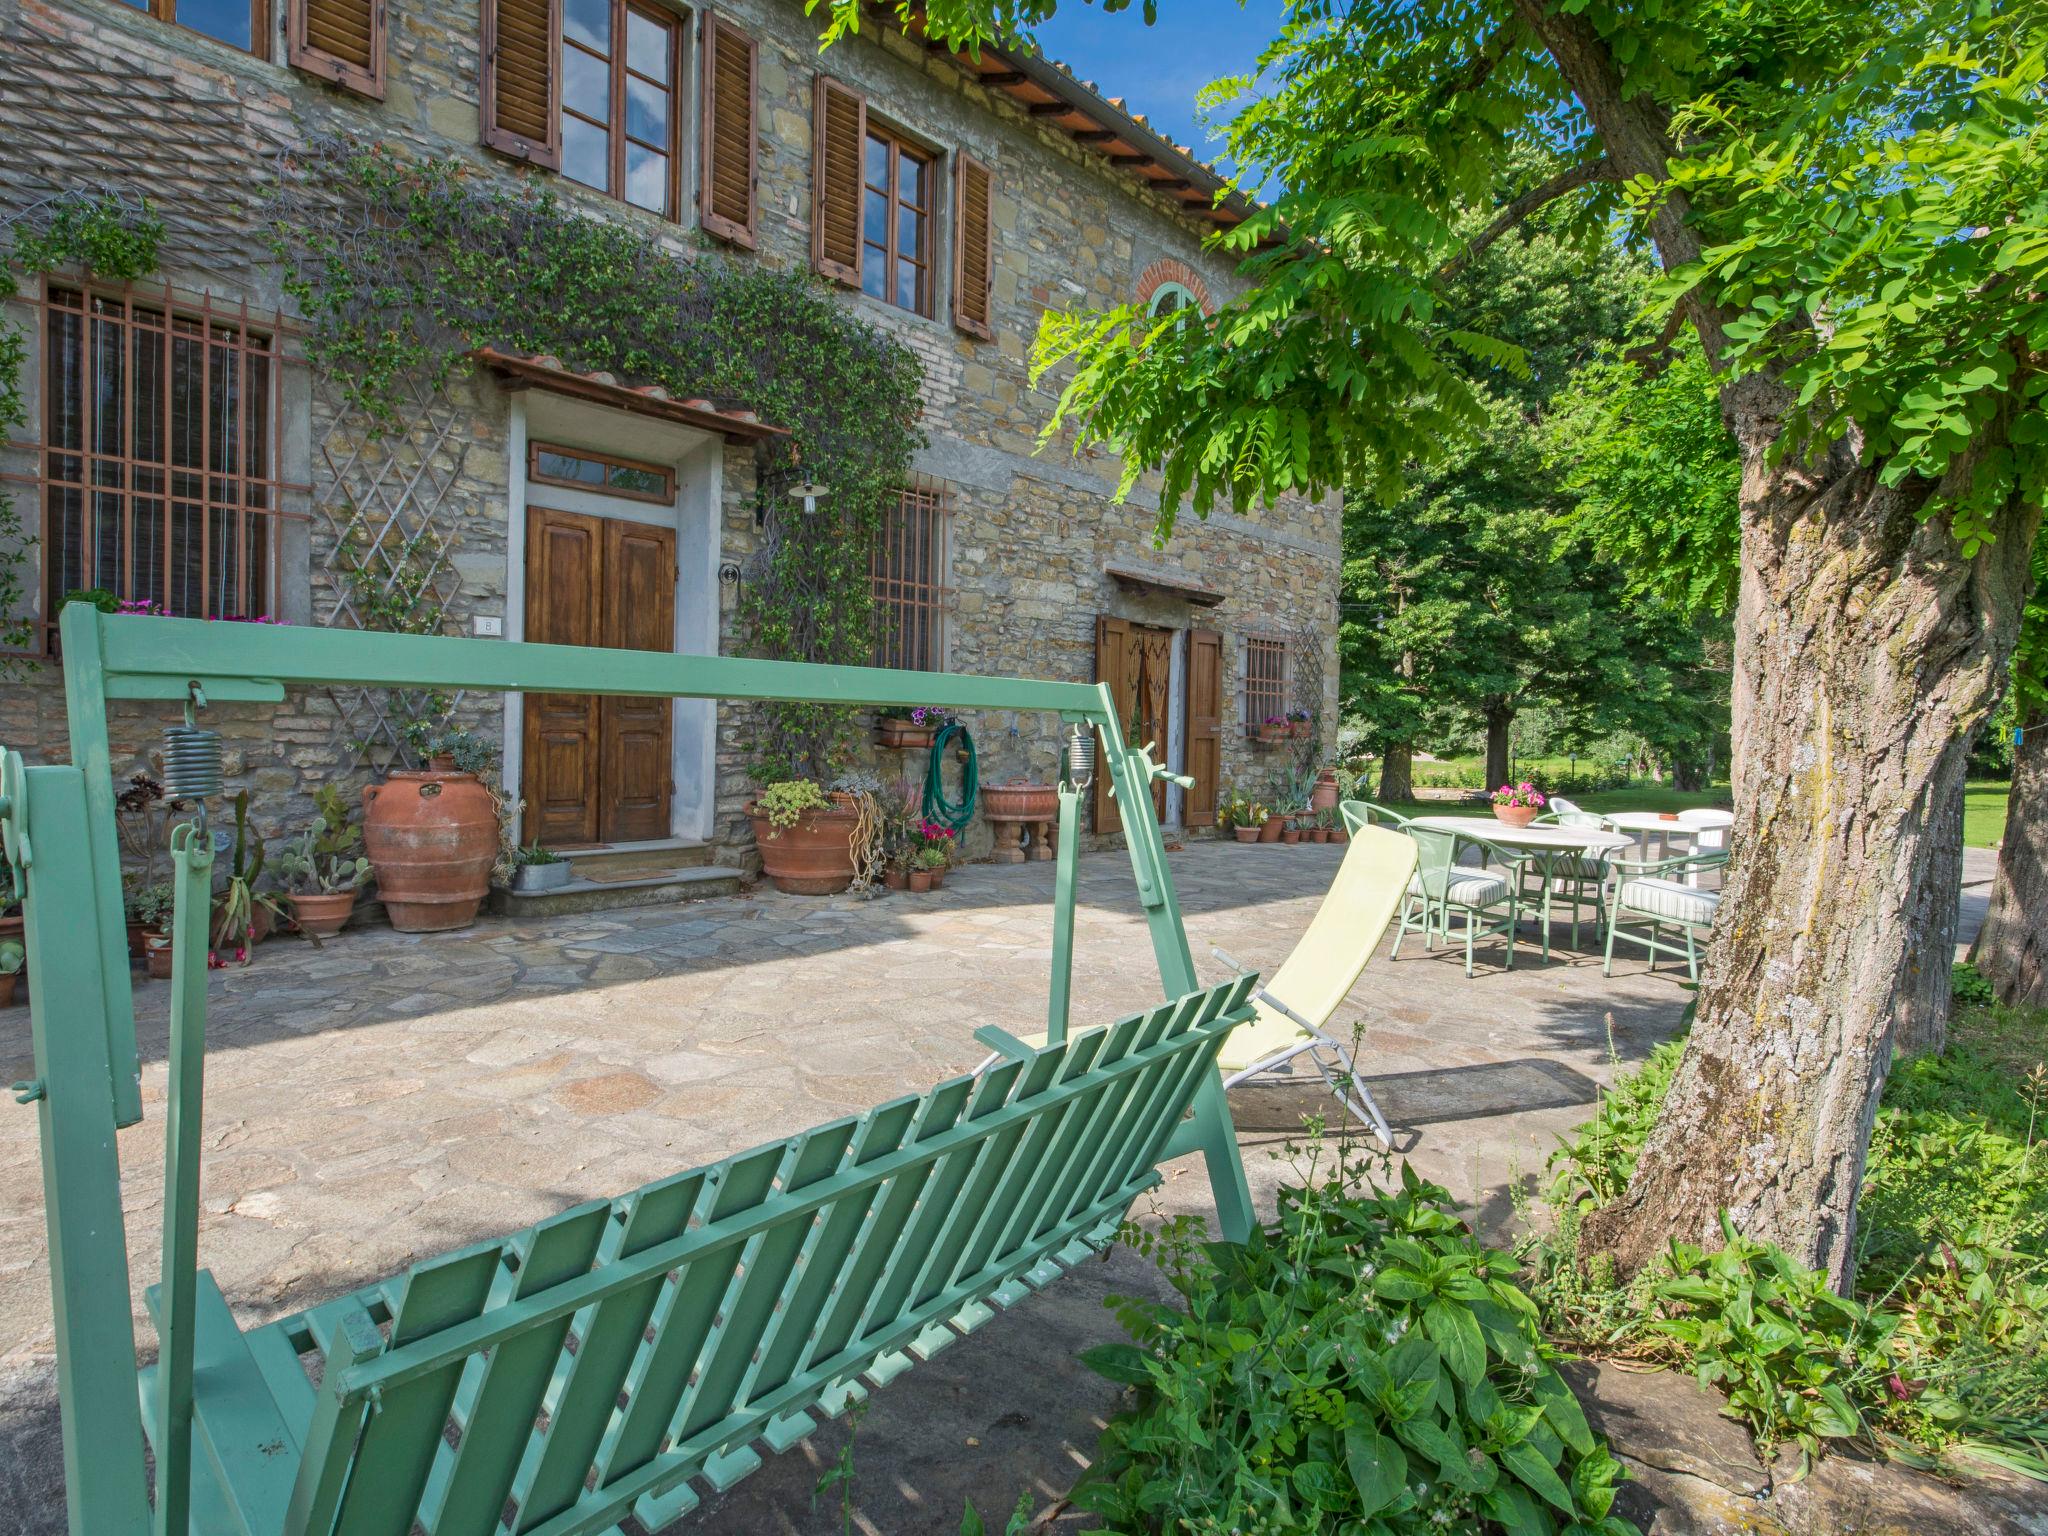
(1299, 1000)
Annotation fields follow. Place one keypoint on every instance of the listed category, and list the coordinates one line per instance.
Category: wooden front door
(1136, 660)
(1204, 715)
(596, 770)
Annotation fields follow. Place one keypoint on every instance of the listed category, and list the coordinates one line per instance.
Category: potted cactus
(323, 868)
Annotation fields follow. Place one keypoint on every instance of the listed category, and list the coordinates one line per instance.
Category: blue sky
(1158, 69)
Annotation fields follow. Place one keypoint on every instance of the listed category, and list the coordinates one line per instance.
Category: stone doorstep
(621, 861)
(669, 888)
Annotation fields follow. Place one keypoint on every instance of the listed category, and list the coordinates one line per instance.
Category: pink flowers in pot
(1520, 795)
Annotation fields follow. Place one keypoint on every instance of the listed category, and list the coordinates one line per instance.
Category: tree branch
(1565, 181)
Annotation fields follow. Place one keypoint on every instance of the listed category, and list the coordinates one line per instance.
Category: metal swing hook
(192, 757)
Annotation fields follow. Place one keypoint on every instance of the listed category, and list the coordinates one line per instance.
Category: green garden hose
(951, 814)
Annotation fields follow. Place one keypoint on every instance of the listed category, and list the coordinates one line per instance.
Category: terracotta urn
(1324, 796)
(815, 856)
(431, 838)
(1515, 815)
(322, 914)
(1020, 800)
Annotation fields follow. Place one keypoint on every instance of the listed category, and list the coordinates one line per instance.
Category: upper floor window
(896, 221)
(243, 24)
(909, 569)
(1171, 298)
(157, 475)
(620, 127)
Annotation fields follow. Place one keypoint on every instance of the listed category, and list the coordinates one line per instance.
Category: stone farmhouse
(950, 200)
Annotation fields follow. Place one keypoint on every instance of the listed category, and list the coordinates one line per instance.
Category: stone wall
(91, 90)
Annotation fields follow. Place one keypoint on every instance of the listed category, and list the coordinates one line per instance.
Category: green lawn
(1983, 805)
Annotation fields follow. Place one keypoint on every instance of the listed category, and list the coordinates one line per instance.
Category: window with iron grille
(158, 461)
(1265, 682)
(909, 576)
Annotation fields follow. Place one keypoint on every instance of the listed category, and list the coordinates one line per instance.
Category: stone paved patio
(389, 1097)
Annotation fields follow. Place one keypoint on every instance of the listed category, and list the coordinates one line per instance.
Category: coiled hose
(951, 814)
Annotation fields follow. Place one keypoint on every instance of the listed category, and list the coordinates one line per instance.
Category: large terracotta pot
(814, 857)
(1515, 815)
(1020, 800)
(1324, 796)
(431, 839)
(322, 914)
(1270, 830)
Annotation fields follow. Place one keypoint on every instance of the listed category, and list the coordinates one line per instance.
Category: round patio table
(1546, 844)
(1648, 824)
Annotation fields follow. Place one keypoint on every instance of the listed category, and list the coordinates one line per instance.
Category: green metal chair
(1574, 881)
(1414, 907)
(1486, 903)
(1646, 893)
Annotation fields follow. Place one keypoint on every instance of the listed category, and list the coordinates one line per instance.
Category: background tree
(2012, 947)
(1851, 208)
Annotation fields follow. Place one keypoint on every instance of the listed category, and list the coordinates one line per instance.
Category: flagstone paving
(390, 1096)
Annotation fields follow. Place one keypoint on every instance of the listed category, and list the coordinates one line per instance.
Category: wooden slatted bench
(553, 1381)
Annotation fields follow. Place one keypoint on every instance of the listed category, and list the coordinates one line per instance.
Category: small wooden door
(1136, 660)
(597, 769)
(1204, 714)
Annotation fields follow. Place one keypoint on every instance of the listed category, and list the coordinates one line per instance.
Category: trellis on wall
(389, 562)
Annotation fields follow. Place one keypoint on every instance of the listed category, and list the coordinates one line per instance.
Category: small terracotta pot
(895, 879)
(1270, 832)
(920, 880)
(134, 940)
(939, 876)
(322, 914)
(1291, 835)
(431, 838)
(1324, 796)
(1515, 815)
(1246, 834)
(1340, 834)
(1319, 834)
(814, 857)
(8, 983)
(158, 954)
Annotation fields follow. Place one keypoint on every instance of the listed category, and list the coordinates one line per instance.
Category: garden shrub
(1363, 1365)
(1943, 1349)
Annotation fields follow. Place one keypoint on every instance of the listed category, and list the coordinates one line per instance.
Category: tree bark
(1397, 774)
(1926, 988)
(2012, 947)
(1498, 718)
(1868, 648)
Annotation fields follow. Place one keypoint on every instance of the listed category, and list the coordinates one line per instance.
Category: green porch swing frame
(57, 827)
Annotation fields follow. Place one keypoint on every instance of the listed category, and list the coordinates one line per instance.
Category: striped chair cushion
(1467, 889)
(1672, 900)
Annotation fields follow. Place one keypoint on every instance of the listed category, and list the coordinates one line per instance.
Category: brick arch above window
(1179, 274)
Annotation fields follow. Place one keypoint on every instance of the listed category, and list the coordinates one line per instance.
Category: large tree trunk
(1498, 718)
(1873, 647)
(1926, 987)
(1397, 774)
(2012, 947)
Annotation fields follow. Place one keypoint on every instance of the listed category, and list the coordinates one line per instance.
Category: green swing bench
(614, 1358)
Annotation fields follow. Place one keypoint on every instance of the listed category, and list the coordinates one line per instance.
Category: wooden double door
(1136, 660)
(597, 769)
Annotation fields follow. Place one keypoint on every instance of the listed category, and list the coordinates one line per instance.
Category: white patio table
(1547, 843)
(1649, 824)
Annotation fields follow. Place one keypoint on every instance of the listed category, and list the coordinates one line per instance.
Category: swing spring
(192, 758)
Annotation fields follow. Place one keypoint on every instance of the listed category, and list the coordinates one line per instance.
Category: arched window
(1170, 298)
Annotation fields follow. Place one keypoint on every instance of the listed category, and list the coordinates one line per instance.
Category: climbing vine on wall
(96, 231)
(401, 268)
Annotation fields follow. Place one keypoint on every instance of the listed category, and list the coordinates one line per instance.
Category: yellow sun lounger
(1297, 1004)
(1305, 993)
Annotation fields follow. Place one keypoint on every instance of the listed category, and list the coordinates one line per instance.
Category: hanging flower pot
(902, 733)
(431, 838)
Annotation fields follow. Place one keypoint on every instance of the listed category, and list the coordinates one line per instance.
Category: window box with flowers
(1300, 724)
(912, 732)
(1271, 731)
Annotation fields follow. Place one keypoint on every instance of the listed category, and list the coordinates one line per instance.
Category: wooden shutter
(973, 247)
(338, 40)
(726, 195)
(1116, 663)
(1205, 725)
(522, 80)
(840, 132)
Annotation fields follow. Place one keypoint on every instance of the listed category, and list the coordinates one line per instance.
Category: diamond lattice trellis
(387, 504)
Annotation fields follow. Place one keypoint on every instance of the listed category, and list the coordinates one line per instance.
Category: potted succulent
(537, 867)
(13, 956)
(1290, 827)
(241, 913)
(931, 864)
(432, 835)
(149, 909)
(1516, 805)
(805, 837)
(323, 869)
